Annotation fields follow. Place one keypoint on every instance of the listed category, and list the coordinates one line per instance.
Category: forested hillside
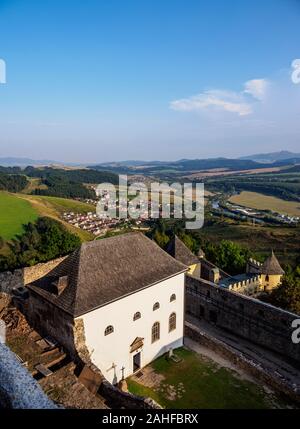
(57, 182)
(13, 182)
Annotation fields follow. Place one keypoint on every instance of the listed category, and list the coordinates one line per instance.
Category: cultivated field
(14, 213)
(215, 172)
(266, 202)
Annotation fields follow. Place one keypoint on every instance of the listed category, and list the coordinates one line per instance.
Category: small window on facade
(267, 278)
(155, 332)
(156, 306)
(172, 322)
(137, 315)
(173, 297)
(109, 330)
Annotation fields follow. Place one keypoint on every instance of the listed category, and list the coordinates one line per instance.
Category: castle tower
(271, 273)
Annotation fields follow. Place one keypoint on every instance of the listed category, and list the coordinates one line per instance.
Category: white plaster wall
(115, 348)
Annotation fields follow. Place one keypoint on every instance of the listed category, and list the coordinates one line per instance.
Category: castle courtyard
(201, 379)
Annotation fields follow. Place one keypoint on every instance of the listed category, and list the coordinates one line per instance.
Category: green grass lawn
(14, 213)
(206, 385)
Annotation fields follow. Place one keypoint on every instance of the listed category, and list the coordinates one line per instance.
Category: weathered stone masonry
(12, 279)
(247, 317)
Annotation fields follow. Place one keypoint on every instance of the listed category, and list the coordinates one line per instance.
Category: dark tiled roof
(105, 270)
(181, 252)
(272, 266)
(210, 266)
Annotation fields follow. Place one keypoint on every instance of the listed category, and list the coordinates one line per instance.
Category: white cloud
(234, 102)
(220, 100)
(257, 88)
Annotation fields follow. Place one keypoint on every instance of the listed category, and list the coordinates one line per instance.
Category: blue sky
(95, 80)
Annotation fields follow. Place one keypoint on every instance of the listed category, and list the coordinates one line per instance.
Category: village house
(119, 301)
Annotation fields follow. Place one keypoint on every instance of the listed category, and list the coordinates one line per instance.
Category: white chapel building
(128, 295)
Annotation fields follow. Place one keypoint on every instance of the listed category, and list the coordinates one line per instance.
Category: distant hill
(275, 159)
(272, 156)
(11, 162)
(24, 162)
(130, 163)
(185, 165)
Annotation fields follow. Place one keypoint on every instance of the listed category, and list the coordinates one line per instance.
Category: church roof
(181, 252)
(106, 270)
(271, 266)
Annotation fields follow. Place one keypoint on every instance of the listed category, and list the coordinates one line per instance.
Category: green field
(199, 382)
(265, 202)
(14, 213)
(54, 207)
(19, 209)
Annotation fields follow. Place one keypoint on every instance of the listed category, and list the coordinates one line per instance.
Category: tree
(287, 295)
(41, 241)
(189, 241)
(161, 239)
(229, 256)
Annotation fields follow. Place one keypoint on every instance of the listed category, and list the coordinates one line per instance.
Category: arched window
(172, 322)
(109, 330)
(155, 332)
(156, 306)
(267, 278)
(173, 297)
(137, 316)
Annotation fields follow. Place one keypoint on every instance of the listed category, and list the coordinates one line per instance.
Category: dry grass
(225, 172)
(265, 202)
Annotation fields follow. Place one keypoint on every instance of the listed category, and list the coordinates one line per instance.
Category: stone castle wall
(18, 389)
(263, 374)
(23, 276)
(247, 317)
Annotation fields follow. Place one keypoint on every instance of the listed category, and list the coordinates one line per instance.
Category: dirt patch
(172, 393)
(155, 381)
(209, 355)
(149, 378)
